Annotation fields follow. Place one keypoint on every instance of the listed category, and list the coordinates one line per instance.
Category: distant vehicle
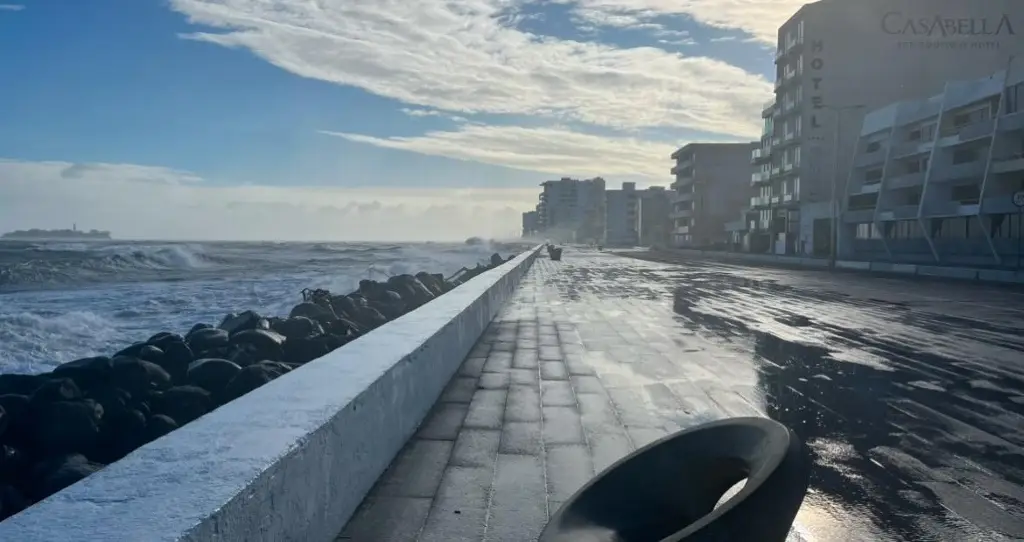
(72, 234)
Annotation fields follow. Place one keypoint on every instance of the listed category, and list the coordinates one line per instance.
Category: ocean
(64, 301)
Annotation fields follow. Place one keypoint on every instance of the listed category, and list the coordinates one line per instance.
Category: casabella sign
(897, 23)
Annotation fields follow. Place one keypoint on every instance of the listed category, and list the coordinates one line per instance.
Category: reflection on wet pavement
(909, 395)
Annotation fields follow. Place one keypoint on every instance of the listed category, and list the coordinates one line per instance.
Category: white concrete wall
(291, 460)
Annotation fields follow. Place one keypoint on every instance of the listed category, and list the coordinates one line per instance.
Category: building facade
(622, 216)
(655, 225)
(933, 180)
(572, 210)
(836, 60)
(712, 186)
(531, 226)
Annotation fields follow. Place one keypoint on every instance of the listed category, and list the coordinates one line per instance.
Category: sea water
(64, 301)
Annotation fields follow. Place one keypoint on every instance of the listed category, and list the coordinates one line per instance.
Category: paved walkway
(592, 359)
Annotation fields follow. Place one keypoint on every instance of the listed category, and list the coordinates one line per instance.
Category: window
(873, 175)
(874, 146)
(1006, 226)
(796, 156)
(868, 231)
(962, 156)
(914, 135)
(902, 229)
(917, 166)
(961, 120)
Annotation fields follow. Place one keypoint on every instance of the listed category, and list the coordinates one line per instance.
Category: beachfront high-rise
(712, 185)
(572, 210)
(933, 179)
(838, 59)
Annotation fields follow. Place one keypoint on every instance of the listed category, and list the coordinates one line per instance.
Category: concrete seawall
(293, 459)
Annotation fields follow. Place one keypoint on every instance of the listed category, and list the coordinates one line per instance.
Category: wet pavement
(910, 396)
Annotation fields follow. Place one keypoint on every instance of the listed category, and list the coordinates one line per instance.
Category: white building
(838, 59)
(572, 210)
(622, 216)
(933, 180)
(712, 186)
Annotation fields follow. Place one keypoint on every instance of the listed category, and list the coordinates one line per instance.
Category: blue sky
(430, 118)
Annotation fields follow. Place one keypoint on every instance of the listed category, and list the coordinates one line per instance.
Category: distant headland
(73, 233)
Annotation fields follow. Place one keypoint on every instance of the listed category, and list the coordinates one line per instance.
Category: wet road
(909, 396)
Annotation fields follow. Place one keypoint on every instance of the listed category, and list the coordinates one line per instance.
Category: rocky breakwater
(59, 427)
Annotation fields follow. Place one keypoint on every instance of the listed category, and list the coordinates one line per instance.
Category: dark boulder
(66, 426)
(159, 425)
(262, 339)
(196, 328)
(235, 323)
(212, 374)
(58, 472)
(298, 327)
(162, 339)
(177, 356)
(184, 404)
(12, 501)
(300, 351)
(20, 384)
(58, 389)
(138, 376)
(313, 311)
(87, 373)
(207, 339)
(250, 378)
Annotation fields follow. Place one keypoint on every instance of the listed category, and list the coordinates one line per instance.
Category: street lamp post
(834, 206)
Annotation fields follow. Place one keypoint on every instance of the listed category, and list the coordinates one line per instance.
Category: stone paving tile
(551, 394)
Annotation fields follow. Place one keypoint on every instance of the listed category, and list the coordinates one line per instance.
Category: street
(908, 395)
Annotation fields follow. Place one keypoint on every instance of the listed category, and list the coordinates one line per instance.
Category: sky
(358, 119)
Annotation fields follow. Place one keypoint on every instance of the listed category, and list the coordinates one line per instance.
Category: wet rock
(162, 339)
(196, 328)
(87, 373)
(312, 311)
(206, 339)
(300, 351)
(184, 404)
(298, 327)
(58, 389)
(66, 426)
(236, 323)
(264, 340)
(212, 375)
(12, 501)
(20, 384)
(138, 376)
(57, 473)
(250, 378)
(177, 356)
(159, 425)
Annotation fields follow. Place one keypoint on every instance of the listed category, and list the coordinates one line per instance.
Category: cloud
(11, 7)
(147, 202)
(467, 58)
(550, 150)
(758, 18)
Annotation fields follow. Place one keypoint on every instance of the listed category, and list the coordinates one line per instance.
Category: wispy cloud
(459, 57)
(552, 150)
(169, 203)
(11, 7)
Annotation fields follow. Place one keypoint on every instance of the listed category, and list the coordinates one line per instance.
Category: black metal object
(555, 253)
(667, 490)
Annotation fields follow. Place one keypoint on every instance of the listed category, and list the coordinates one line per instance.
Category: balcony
(858, 216)
(776, 171)
(1002, 204)
(681, 182)
(1011, 122)
(736, 226)
(970, 132)
(681, 230)
(966, 170)
(682, 196)
(759, 201)
(779, 81)
(759, 177)
(1008, 164)
(870, 158)
(776, 141)
(900, 212)
(910, 148)
(768, 108)
(786, 168)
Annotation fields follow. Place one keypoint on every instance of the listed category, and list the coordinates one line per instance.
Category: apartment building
(933, 179)
(572, 210)
(622, 216)
(836, 60)
(655, 225)
(712, 185)
(531, 225)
